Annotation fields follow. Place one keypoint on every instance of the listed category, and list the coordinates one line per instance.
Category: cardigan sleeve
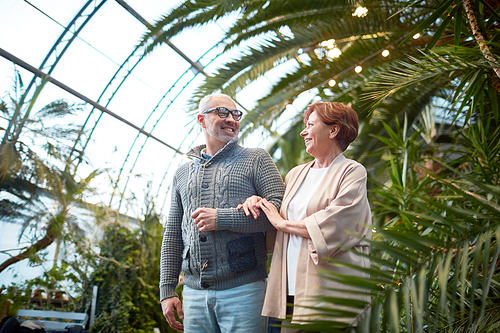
(171, 247)
(269, 185)
(348, 211)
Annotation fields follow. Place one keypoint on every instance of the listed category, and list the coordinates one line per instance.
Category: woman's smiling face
(316, 136)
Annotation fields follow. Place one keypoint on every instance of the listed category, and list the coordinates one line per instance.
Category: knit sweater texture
(235, 253)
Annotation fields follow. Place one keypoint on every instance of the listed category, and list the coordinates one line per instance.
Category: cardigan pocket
(241, 254)
(186, 267)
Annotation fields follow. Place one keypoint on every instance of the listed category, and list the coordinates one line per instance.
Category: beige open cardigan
(340, 203)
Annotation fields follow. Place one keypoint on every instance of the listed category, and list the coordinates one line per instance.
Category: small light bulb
(334, 53)
(358, 69)
(328, 43)
(360, 12)
(332, 83)
(416, 36)
(385, 53)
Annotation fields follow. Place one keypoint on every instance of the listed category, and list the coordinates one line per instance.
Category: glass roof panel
(104, 64)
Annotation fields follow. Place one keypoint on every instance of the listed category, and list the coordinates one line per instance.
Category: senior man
(220, 250)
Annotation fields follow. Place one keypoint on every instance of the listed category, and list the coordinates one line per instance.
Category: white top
(296, 212)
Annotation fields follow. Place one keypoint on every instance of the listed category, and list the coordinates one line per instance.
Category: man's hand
(205, 218)
(250, 206)
(169, 306)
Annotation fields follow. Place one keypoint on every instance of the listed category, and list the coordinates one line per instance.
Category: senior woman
(325, 214)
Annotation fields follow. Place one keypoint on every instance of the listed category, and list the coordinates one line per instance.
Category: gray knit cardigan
(235, 253)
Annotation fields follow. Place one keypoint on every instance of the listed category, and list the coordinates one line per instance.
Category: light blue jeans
(235, 310)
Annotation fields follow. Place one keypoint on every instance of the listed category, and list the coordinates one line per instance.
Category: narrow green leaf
(456, 274)
(437, 217)
(443, 276)
(394, 171)
(417, 311)
(394, 137)
(463, 277)
(458, 24)
(362, 283)
(475, 267)
(438, 33)
(430, 20)
(396, 253)
(486, 204)
(394, 312)
(453, 210)
(486, 276)
(413, 242)
(493, 100)
(376, 313)
(372, 272)
(407, 305)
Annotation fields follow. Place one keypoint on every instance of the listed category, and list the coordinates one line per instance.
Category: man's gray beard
(219, 135)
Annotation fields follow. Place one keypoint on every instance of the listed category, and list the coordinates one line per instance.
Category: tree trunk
(43, 243)
(478, 35)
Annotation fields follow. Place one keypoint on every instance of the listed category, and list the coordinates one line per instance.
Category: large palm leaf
(435, 198)
(293, 36)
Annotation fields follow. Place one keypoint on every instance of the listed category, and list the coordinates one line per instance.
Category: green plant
(435, 252)
(127, 275)
(12, 298)
(31, 173)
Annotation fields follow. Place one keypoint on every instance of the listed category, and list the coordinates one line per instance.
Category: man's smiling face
(223, 130)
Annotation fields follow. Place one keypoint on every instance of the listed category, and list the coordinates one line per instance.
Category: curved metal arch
(157, 107)
(168, 169)
(66, 43)
(111, 89)
(138, 54)
(56, 50)
(121, 75)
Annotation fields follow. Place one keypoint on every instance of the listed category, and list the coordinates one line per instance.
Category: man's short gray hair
(206, 100)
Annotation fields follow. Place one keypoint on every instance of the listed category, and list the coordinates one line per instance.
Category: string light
(329, 44)
(358, 68)
(334, 53)
(360, 12)
(416, 36)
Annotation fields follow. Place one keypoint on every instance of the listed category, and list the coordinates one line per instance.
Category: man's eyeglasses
(223, 112)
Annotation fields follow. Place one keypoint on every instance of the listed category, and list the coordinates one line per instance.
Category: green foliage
(32, 172)
(127, 274)
(435, 191)
(288, 43)
(11, 299)
(444, 237)
(435, 252)
(123, 294)
(293, 36)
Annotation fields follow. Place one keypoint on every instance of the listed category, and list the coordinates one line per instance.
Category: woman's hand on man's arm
(250, 206)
